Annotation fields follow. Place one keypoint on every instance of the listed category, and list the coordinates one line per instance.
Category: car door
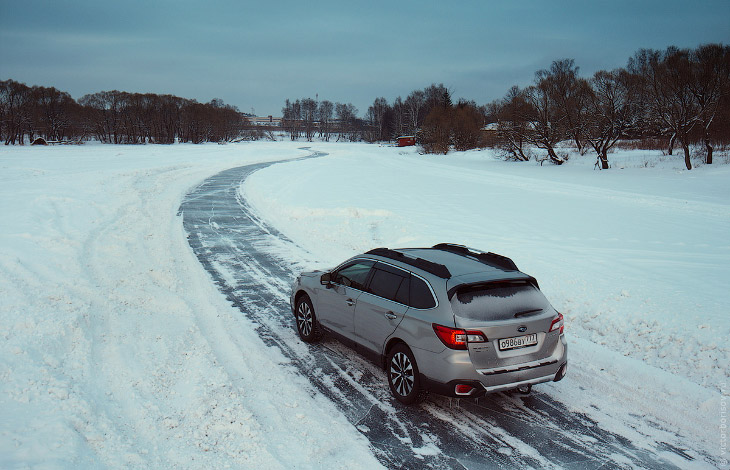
(382, 306)
(336, 303)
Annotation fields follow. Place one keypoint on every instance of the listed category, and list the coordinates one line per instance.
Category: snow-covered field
(636, 258)
(116, 350)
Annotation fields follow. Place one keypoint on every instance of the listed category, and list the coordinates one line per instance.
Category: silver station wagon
(447, 319)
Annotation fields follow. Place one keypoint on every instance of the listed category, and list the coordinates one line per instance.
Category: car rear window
(499, 301)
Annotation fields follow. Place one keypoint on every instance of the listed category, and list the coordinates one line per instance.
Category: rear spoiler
(529, 279)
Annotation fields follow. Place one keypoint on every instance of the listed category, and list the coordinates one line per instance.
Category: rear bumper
(461, 371)
(448, 388)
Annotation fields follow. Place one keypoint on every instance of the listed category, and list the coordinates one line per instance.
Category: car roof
(449, 261)
(457, 264)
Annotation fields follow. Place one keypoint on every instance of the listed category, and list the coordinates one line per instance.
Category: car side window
(420, 295)
(403, 294)
(354, 274)
(389, 283)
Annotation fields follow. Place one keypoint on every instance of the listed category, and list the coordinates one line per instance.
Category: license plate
(518, 342)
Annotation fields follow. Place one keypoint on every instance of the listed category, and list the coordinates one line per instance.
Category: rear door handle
(350, 302)
(390, 315)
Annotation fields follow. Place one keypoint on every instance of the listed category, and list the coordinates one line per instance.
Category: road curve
(501, 430)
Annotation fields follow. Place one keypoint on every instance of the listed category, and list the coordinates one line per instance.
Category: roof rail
(429, 266)
(489, 258)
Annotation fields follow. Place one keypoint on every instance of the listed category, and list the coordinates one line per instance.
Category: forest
(674, 99)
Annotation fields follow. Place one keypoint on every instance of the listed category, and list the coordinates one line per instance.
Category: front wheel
(403, 379)
(307, 324)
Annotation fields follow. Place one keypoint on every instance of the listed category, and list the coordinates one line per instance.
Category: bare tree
(435, 135)
(17, 107)
(568, 92)
(414, 105)
(710, 65)
(666, 81)
(291, 120)
(309, 117)
(169, 117)
(105, 115)
(347, 122)
(610, 111)
(675, 106)
(54, 110)
(466, 126)
(376, 117)
(513, 116)
(399, 118)
(547, 121)
(640, 69)
(437, 95)
(325, 115)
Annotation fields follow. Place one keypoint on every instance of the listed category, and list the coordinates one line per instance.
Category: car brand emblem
(522, 329)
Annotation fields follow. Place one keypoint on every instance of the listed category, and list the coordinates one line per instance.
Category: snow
(636, 257)
(116, 350)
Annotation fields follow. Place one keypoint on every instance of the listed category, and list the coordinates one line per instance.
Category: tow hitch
(525, 389)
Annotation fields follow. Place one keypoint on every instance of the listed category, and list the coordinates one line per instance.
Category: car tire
(403, 376)
(307, 324)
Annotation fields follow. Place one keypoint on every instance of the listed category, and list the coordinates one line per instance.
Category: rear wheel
(403, 378)
(307, 325)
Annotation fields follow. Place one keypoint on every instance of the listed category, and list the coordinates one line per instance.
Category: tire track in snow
(498, 431)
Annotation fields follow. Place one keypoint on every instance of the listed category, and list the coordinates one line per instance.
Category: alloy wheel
(401, 374)
(304, 319)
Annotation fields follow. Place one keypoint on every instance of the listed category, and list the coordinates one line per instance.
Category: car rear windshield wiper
(527, 312)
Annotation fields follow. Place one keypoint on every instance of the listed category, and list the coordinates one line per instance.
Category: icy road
(505, 430)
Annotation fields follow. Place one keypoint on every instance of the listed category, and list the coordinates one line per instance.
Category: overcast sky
(254, 55)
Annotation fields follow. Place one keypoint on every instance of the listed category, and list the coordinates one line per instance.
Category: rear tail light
(463, 389)
(558, 323)
(456, 338)
(475, 337)
(451, 337)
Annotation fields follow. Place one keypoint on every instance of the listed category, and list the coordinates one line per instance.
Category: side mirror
(326, 279)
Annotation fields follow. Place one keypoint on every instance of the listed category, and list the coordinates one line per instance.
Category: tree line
(676, 96)
(428, 114)
(114, 117)
(308, 118)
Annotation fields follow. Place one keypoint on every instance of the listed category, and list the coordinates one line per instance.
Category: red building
(406, 140)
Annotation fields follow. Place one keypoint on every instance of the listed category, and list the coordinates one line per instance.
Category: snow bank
(116, 350)
(637, 257)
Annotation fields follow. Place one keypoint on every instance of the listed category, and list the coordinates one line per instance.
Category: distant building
(490, 134)
(406, 140)
(265, 121)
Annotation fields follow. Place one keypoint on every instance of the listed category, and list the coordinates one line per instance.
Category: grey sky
(257, 54)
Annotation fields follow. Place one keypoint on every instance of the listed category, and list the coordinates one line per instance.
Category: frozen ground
(117, 350)
(636, 258)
